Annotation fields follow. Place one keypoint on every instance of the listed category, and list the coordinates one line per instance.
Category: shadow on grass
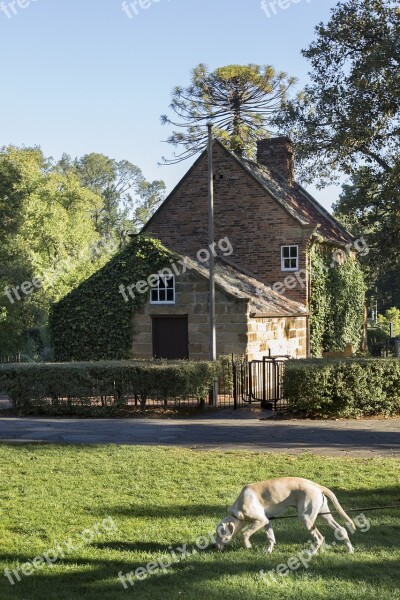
(195, 578)
(208, 573)
(166, 512)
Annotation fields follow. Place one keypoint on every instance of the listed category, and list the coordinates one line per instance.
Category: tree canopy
(347, 120)
(129, 199)
(59, 223)
(238, 100)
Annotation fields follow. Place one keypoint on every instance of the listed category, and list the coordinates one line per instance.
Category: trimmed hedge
(77, 388)
(343, 388)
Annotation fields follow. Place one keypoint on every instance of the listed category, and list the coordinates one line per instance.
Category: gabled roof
(264, 301)
(293, 198)
(298, 202)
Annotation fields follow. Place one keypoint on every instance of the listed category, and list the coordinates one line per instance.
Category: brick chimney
(278, 155)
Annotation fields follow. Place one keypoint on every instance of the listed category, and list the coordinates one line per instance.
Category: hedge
(77, 388)
(343, 388)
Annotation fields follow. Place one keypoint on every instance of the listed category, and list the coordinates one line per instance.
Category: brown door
(170, 337)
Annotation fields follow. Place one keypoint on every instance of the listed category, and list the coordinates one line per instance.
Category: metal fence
(241, 383)
(260, 382)
(15, 358)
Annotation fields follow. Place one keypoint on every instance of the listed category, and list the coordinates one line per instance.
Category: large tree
(349, 114)
(128, 199)
(48, 243)
(238, 100)
(347, 120)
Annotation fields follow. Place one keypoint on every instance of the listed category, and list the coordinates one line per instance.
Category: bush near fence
(343, 388)
(103, 387)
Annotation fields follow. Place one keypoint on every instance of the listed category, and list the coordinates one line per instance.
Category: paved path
(226, 430)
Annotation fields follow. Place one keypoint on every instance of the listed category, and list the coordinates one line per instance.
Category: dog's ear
(231, 528)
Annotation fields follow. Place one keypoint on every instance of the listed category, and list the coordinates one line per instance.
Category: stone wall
(192, 299)
(280, 335)
(254, 222)
(237, 332)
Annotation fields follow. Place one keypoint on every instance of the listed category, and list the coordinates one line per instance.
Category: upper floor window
(164, 290)
(289, 258)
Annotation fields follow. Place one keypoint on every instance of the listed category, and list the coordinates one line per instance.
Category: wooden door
(171, 337)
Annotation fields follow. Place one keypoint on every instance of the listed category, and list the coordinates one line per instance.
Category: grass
(162, 497)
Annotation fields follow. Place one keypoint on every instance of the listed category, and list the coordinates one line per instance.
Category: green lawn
(158, 498)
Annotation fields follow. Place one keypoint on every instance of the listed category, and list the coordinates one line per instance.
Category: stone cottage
(266, 225)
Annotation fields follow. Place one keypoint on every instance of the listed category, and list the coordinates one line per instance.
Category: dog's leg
(341, 531)
(270, 537)
(309, 524)
(255, 526)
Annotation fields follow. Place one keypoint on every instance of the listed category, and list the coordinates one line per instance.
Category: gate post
(264, 391)
(235, 384)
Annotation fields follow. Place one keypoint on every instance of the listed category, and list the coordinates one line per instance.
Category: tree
(347, 120)
(391, 316)
(238, 100)
(349, 114)
(126, 202)
(48, 248)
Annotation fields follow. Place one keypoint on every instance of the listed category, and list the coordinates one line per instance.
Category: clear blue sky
(80, 76)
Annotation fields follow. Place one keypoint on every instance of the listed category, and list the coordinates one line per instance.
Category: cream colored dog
(259, 502)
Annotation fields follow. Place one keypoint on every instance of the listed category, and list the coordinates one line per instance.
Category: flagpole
(212, 332)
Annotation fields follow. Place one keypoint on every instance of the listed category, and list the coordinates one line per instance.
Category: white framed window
(164, 290)
(289, 258)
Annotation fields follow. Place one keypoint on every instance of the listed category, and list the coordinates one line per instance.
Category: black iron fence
(14, 358)
(241, 383)
(260, 382)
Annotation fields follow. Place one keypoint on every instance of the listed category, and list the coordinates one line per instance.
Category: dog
(258, 503)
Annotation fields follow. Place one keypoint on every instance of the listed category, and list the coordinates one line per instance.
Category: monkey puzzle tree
(238, 100)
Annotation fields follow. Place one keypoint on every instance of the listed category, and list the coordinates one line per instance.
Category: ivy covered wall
(337, 301)
(94, 321)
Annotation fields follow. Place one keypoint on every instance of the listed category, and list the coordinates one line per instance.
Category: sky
(82, 76)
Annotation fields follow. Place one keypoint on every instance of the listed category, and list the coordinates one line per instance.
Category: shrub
(392, 315)
(343, 388)
(76, 388)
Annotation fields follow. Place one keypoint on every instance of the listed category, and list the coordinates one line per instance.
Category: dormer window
(164, 290)
(289, 258)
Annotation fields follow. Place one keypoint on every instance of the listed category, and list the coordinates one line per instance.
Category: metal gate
(259, 381)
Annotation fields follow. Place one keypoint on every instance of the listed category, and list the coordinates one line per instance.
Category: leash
(335, 512)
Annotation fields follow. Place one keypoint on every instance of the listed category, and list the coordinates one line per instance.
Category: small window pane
(164, 290)
(290, 258)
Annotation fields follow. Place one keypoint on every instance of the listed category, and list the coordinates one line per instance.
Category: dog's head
(225, 531)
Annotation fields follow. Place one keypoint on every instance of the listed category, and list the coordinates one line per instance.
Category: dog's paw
(269, 549)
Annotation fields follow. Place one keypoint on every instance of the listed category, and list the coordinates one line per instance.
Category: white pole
(213, 337)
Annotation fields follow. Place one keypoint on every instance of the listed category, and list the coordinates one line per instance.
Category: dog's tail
(336, 504)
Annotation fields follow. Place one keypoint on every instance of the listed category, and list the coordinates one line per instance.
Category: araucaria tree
(238, 100)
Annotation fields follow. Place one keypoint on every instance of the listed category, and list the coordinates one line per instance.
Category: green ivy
(337, 302)
(93, 322)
